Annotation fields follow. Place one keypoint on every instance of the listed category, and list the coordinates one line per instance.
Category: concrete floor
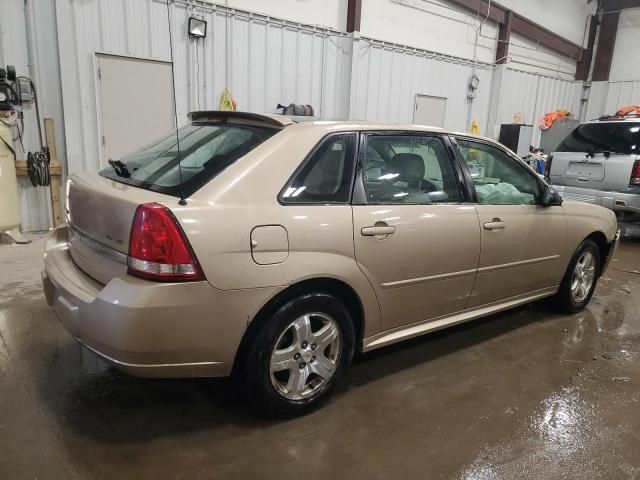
(525, 394)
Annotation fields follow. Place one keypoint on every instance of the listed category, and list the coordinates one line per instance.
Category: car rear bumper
(146, 328)
(616, 201)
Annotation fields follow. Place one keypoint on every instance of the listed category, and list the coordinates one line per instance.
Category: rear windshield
(205, 150)
(616, 137)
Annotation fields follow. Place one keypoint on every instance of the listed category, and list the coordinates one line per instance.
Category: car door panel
(522, 243)
(426, 267)
(524, 256)
(415, 239)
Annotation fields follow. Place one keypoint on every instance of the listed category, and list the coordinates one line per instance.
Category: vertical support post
(606, 42)
(353, 75)
(504, 36)
(54, 168)
(494, 101)
(502, 52)
(354, 14)
(584, 65)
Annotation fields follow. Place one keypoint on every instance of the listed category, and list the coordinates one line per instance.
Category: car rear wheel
(580, 279)
(297, 356)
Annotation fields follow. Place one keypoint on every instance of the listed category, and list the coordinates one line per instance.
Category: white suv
(599, 162)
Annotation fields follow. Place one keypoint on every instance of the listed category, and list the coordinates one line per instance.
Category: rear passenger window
(615, 137)
(409, 169)
(327, 175)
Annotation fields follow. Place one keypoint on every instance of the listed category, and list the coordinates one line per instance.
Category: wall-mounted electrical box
(24, 90)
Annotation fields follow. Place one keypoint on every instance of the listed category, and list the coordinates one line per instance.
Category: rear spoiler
(244, 118)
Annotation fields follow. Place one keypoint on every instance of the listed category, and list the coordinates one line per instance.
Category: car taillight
(635, 173)
(158, 248)
(547, 166)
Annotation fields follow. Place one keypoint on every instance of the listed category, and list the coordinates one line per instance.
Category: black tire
(252, 375)
(564, 301)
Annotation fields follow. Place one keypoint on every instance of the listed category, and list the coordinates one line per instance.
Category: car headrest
(409, 167)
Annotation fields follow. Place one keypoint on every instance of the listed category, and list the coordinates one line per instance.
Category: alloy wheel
(305, 356)
(584, 274)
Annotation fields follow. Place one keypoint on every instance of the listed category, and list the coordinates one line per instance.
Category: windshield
(619, 137)
(205, 150)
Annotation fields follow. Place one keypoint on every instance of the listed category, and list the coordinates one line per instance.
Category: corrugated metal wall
(263, 61)
(620, 94)
(605, 98)
(40, 61)
(390, 76)
(597, 100)
(534, 95)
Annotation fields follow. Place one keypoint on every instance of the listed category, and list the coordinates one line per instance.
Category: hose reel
(38, 166)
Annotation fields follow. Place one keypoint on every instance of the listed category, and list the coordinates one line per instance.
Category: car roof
(363, 125)
(614, 119)
(297, 122)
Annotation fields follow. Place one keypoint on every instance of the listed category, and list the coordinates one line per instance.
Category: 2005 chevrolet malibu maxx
(300, 243)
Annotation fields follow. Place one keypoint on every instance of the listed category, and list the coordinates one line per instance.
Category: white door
(135, 103)
(430, 110)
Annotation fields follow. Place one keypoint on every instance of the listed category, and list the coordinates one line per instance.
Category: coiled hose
(38, 167)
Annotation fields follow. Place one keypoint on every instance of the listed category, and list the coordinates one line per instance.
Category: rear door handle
(380, 229)
(495, 224)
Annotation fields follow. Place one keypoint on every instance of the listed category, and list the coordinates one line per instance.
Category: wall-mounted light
(197, 27)
(474, 81)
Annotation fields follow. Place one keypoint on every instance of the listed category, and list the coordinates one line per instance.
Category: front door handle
(380, 229)
(495, 224)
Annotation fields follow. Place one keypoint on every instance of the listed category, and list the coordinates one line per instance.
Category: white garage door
(136, 103)
(430, 110)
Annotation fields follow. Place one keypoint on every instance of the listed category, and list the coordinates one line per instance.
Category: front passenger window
(498, 178)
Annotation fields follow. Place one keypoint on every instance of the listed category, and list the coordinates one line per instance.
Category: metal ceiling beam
(549, 39)
(524, 27)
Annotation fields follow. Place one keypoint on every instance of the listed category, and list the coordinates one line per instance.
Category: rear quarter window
(327, 175)
(205, 151)
(618, 137)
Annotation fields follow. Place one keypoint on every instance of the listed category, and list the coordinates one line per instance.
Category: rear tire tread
(251, 375)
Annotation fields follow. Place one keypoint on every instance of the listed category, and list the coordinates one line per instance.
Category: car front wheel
(297, 355)
(580, 279)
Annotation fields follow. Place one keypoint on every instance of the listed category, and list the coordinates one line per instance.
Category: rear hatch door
(100, 213)
(598, 155)
(576, 169)
(101, 206)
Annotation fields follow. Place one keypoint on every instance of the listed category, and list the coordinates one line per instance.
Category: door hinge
(99, 74)
(103, 141)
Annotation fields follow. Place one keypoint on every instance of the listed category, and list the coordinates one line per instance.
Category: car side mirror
(551, 197)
